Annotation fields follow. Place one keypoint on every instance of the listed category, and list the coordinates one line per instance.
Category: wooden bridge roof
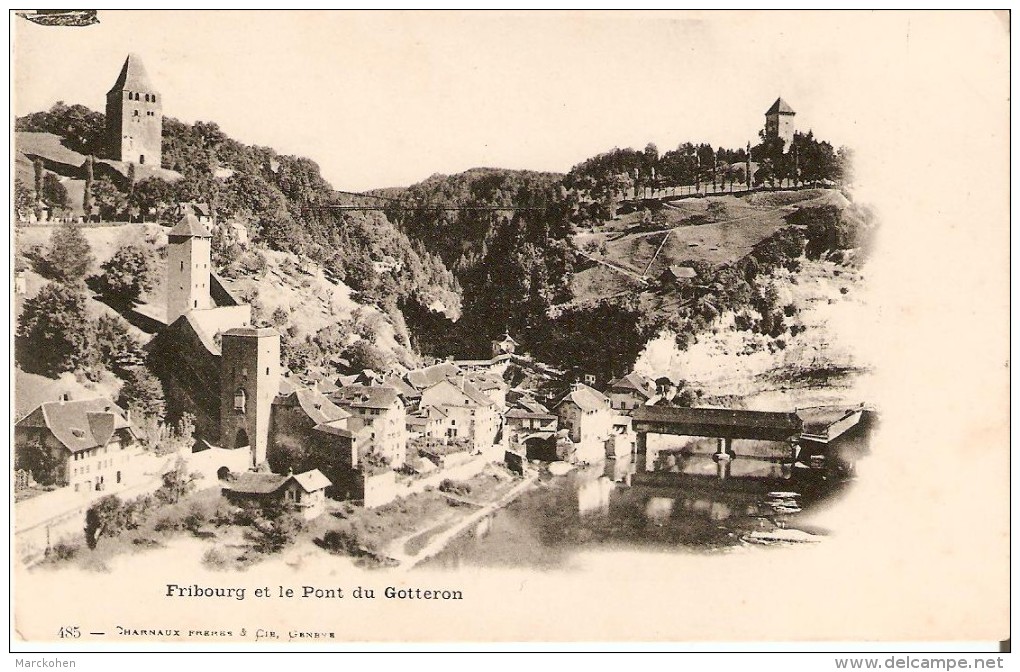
(719, 422)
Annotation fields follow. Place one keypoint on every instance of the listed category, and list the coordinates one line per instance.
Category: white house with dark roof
(305, 493)
(587, 415)
(428, 376)
(629, 392)
(86, 444)
(473, 415)
(378, 412)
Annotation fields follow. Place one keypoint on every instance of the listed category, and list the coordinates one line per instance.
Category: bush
(216, 559)
(343, 541)
(454, 488)
(62, 551)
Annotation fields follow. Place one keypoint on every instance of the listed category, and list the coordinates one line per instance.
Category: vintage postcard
(336, 327)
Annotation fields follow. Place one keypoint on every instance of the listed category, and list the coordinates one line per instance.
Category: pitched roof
(720, 416)
(315, 405)
(780, 107)
(310, 481)
(430, 375)
(529, 415)
(634, 381)
(531, 405)
(506, 339)
(401, 386)
(79, 425)
(585, 398)
(487, 381)
(365, 396)
(255, 483)
(470, 392)
(334, 429)
(132, 76)
(189, 227)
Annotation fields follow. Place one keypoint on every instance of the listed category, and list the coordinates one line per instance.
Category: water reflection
(597, 508)
(593, 496)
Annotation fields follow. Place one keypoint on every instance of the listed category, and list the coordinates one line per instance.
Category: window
(154, 97)
(134, 113)
(141, 159)
(182, 265)
(239, 399)
(267, 370)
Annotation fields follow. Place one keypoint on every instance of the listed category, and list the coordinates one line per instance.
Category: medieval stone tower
(134, 116)
(249, 381)
(187, 268)
(779, 122)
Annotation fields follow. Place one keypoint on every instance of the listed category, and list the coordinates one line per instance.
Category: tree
(104, 517)
(69, 256)
(151, 194)
(128, 273)
(46, 465)
(53, 192)
(82, 129)
(142, 394)
(86, 203)
(117, 348)
(365, 355)
(177, 483)
(55, 331)
(109, 199)
(22, 200)
(37, 172)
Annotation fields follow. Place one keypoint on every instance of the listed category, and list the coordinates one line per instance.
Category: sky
(389, 98)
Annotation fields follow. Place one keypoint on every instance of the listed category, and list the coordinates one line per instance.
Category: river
(596, 509)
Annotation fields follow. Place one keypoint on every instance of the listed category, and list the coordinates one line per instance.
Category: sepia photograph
(339, 327)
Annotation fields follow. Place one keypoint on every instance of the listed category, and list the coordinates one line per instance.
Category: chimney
(65, 396)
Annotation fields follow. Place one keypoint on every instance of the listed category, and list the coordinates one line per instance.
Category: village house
(586, 414)
(630, 391)
(201, 211)
(85, 444)
(530, 424)
(491, 385)
(431, 422)
(472, 414)
(297, 413)
(380, 411)
(428, 376)
(504, 346)
(303, 493)
(622, 440)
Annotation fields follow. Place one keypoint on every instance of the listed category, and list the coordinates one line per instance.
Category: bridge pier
(723, 458)
(641, 462)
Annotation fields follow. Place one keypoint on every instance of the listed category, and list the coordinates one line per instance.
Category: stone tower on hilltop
(134, 117)
(249, 381)
(188, 255)
(779, 121)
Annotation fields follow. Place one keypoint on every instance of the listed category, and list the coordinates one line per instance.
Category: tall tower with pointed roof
(188, 254)
(779, 121)
(134, 116)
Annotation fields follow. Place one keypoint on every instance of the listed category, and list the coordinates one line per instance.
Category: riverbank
(441, 535)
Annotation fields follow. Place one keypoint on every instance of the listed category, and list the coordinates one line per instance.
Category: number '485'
(70, 631)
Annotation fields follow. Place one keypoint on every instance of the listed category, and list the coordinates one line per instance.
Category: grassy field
(715, 230)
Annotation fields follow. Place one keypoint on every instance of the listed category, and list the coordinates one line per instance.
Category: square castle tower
(134, 117)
